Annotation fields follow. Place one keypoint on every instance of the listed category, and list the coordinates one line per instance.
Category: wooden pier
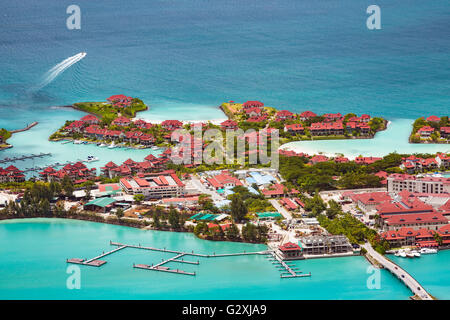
(291, 270)
(94, 262)
(159, 266)
(188, 253)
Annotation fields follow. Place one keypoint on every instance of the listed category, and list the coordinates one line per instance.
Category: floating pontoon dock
(178, 258)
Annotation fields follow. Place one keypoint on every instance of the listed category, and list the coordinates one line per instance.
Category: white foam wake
(56, 70)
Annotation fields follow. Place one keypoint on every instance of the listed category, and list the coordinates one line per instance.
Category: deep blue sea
(185, 57)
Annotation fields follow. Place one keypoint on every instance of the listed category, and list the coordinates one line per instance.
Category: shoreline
(126, 222)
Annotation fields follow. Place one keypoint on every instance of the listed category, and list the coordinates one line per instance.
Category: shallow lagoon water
(32, 266)
(431, 270)
(393, 139)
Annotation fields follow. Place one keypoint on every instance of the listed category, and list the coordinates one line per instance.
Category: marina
(290, 270)
(25, 157)
(96, 262)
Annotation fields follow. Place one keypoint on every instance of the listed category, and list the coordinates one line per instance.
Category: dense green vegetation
(330, 175)
(4, 134)
(435, 136)
(107, 112)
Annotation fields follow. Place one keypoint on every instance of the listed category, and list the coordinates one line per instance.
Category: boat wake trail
(55, 71)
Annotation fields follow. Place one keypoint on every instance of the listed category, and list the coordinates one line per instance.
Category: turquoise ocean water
(33, 266)
(184, 58)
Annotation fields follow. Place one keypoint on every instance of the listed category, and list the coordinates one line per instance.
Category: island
(433, 129)
(302, 126)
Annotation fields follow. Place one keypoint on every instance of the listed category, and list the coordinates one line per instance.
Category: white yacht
(416, 253)
(154, 148)
(428, 251)
(102, 145)
(77, 142)
(402, 253)
(112, 145)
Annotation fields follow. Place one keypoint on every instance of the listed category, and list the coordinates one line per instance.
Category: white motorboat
(102, 145)
(397, 254)
(154, 148)
(91, 159)
(416, 253)
(77, 142)
(112, 145)
(402, 253)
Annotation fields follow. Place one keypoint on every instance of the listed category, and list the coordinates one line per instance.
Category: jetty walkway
(290, 269)
(395, 269)
(25, 157)
(96, 262)
(28, 127)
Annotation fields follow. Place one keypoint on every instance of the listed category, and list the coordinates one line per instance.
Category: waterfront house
(75, 126)
(415, 221)
(318, 158)
(121, 121)
(412, 237)
(325, 129)
(294, 129)
(76, 172)
(229, 125)
(90, 119)
(425, 132)
(366, 160)
(290, 251)
(120, 100)
(445, 132)
(109, 170)
(171, 124)
(141, 124)
(251, 104)
(253, 112)
(325, 244)
(11, 174)
(341, 159)
(257, 119)
(333, 117)
(284, 115)
(433, 119)
(399, 182)
(443, 160)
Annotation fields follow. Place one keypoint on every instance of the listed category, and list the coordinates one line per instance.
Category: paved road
(281, 209)
(214, 195)
(412, 284)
